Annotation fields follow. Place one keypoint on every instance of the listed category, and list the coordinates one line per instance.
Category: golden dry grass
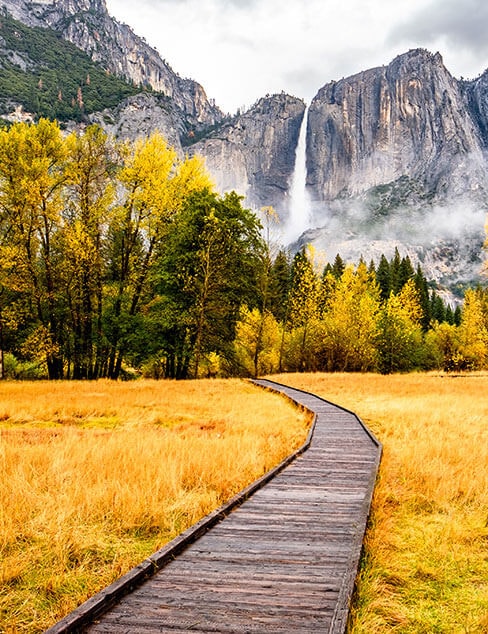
(94, 477)
(426, 555)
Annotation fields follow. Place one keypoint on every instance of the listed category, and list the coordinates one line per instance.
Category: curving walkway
(284, 560)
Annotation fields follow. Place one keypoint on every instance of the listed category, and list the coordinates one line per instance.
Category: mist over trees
(119, 260)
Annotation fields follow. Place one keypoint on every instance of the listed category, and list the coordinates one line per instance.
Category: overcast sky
(240, 50)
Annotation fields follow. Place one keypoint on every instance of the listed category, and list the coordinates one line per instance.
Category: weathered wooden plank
(160, 613)
(269, 598)
(227, 620)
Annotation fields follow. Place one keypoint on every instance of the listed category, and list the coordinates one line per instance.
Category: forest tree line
(119, 259)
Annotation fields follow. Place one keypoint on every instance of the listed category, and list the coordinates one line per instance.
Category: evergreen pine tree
(423, 290)
(405, 272)
(449, 316)
(383, 277)
(279, 286)
(458, 313)
(338, 267)
(327, 270)
(395, 262)
(438, 310)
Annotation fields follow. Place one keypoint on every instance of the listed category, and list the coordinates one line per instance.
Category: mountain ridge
(88, 25)
(396, 155)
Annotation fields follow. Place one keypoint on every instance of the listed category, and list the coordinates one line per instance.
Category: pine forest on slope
(51, 77)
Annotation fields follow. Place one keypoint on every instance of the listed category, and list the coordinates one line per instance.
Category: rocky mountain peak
(51, 12)
(87, 24)
(415, 59)
(407, 118)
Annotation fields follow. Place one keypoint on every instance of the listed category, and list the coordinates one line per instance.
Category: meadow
(95, 477)
(425, 564)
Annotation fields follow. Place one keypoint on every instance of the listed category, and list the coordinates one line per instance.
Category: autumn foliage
(346, 318)
(83, 223)
(118, 259)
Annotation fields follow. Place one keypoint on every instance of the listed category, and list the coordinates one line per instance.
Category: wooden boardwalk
(284, 560)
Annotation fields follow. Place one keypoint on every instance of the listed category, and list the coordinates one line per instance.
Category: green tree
(279, 286)
(383, 277)
(405, 273)
(437, 308)
(208, 268)
(449, 318)
(395, 280)
(338, 267)
(424, 298)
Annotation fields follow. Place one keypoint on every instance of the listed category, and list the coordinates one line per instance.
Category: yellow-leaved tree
(32, 174)
(442, 342)
(400, 331)
(304, 324)
(352, 322)
(257, 342)
(473, 331)
(89, 196)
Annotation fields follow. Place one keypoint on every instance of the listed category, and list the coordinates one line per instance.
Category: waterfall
(300, 208)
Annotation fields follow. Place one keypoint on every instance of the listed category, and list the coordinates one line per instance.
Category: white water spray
(300, 208)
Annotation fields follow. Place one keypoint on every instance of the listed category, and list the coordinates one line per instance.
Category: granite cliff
(407, 119)
(254, 153)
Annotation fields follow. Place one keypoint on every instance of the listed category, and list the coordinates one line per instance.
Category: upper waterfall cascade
(300, 209)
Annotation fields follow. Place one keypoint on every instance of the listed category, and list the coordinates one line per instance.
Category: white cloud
(241, 50)
(457, 28)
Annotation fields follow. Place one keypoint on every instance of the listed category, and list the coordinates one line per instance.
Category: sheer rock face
(87, 24)
(475, 93)
(254, 154)
(406, 119)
